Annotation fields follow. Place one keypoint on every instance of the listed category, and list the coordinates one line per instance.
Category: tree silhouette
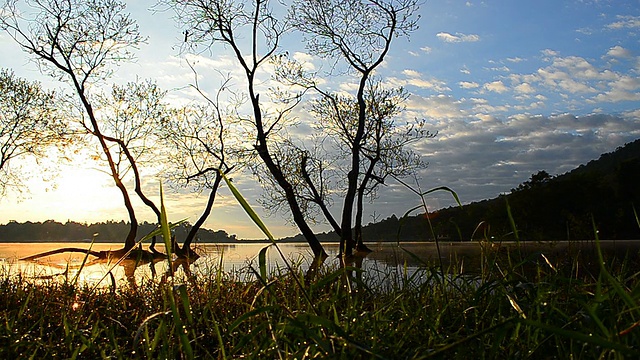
(30, 122)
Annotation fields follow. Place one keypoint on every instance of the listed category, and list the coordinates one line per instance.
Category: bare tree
(385, 149)
(358, 35)
(226, 22)
(30, 122)
(78, 42)
(130, 115)
(197, 138)
(385, 146)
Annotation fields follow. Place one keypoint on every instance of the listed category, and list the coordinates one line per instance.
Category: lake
(236, 259)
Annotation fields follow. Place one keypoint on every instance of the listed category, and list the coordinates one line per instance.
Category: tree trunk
(275, 170)
(130, 241)
(346, 240)
(318, 198)
(298, 216)
(360, 246)
(186, 250)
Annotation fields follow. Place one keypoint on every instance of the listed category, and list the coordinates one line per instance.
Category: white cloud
(433, 84)
(585, 31)
(426, 49)
(580, 68)
(468, 84)
(619, 52)
(566, 83)
(571, 74)
(625, 21)
(480, 159)
(457, 38)
(624, 88)
(524, 88)
(500, 68)
(414, 78)
(634, 114)
(305, 59)
(411, 73)
(515, 59)
(486, 108)
(347, 88)
(496, 86)
(436, 108)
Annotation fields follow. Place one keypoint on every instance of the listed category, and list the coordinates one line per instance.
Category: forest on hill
(605, 191)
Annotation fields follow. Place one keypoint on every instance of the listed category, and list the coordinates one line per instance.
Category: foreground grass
(516, 308)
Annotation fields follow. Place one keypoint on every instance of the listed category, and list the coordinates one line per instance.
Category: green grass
(518, 305)
(518, 308)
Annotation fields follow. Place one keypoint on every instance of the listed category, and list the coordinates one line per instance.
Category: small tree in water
(79, 42)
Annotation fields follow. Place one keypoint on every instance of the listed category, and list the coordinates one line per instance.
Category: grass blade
(262, 262)
(247, 208)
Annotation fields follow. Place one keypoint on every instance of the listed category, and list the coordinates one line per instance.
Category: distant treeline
(110, 231)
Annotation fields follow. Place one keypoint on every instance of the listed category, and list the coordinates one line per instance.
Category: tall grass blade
(581, 337)
(250, 314)
(512, 222)
(256, 219)
(164, 226)
(145, 324)
(515, 306)
(247, 208)
(180, 329)
(84, 261)
(156, 232)
(441, 351)
(186, 304)
(447, 189)
(612, 280)
(262, 262)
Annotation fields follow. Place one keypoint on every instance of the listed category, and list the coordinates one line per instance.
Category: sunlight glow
(77, 192)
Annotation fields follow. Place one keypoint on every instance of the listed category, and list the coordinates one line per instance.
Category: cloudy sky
(511, 87)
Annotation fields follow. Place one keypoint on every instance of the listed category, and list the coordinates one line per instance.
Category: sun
(85, 183)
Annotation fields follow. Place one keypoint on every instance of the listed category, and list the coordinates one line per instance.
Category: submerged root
(61, 251)
(138, 254)
(135, 254)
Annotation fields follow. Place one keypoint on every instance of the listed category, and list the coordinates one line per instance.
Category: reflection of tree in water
(129, 265)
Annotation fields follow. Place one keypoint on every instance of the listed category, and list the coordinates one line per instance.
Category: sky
(510, 87)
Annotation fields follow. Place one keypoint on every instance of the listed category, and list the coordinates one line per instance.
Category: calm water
(237, 259)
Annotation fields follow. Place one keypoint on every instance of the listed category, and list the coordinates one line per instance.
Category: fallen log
(105, 254)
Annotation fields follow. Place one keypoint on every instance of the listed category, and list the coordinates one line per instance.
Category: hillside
(544, 208)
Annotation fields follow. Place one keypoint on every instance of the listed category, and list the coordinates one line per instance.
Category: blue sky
(511, 87)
